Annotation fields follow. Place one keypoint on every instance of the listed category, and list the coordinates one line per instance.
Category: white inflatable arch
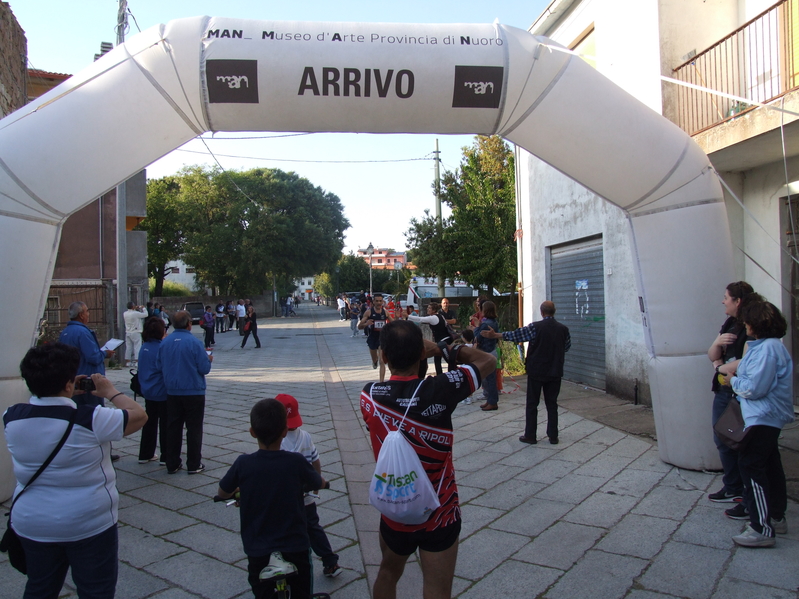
(173, 82)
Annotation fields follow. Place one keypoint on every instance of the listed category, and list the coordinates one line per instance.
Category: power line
(303, 161)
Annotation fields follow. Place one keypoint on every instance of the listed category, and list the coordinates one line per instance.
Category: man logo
(477, 87)
(232, 81)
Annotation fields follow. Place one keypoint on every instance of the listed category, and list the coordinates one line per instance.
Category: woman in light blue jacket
(764, 386)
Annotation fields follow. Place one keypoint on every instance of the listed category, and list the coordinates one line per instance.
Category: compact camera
(86, 384)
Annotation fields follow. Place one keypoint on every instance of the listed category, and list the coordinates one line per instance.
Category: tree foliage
(165, 228)
(245, 229)
(476, 242)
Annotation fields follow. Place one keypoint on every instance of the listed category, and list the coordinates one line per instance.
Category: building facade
(576, 248)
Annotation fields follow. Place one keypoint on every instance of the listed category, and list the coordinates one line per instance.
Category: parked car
(196, 310)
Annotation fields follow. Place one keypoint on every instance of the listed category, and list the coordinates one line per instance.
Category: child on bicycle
(300, 441)
(272, 515)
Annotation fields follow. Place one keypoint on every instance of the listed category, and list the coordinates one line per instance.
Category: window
(380, 261)
(175, 270)
(190, 271)
(586, 44)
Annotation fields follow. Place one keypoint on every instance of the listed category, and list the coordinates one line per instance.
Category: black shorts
(405, 543)
(373, 341)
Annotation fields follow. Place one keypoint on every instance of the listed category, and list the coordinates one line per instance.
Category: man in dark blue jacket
(184, 363)
(77, 334)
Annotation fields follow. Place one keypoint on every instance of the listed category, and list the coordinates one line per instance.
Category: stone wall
(13, 62)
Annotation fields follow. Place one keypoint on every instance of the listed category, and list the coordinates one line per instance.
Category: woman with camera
(67, 516)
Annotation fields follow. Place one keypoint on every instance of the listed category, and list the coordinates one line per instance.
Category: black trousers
(300, 582)
(188, 410)
(551, 389)
(254, 332)
(319, 542)
(154, 429)
(209, 336)
(765, 492)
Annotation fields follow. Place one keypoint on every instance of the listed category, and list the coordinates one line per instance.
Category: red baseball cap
(293, 418)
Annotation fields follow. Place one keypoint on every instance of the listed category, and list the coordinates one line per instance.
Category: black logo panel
(477, 87)
(232, 81)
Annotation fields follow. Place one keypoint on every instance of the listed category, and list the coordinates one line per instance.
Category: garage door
(577, 286)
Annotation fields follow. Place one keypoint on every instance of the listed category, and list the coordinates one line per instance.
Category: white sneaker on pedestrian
(751, 538)
(780, 526)
(467, 401)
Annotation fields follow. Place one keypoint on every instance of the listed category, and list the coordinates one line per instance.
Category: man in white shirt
(134, 317)
(241, 315)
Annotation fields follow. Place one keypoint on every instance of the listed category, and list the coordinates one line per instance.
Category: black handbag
(730, 427)
(10, 542)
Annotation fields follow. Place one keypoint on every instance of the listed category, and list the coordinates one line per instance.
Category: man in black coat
(549, 341)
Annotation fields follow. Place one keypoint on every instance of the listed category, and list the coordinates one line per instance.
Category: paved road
(598, 516)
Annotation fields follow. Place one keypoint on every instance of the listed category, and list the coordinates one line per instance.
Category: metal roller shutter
(577, 286)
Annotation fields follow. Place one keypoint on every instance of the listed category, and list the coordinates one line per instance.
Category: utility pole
(438, 211)
(122, 207)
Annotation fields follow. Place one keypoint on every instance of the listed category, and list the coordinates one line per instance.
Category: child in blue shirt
(273, 515)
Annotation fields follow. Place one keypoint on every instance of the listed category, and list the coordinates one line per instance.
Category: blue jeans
(733, 482)
(93, 560)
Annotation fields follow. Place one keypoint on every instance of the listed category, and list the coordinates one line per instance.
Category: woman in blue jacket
(764, 386)
(153, 389)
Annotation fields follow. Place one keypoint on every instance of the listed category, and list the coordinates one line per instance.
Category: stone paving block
(579, 430)
(580, 453)
(167, 497)
(490, 476)
(548, 471)
(605, 436)
(486, 550)
(509, 494)
(638, 536)
(513, 579)
(650, 461)
(475, 461)
(532, 517)
(367, 518)
(464, 447)
(689, 479)
(601, 509)
(639, 594)
(709, 527)
(202, 575)
(527, 456)
(560, 546)
(153, 519)
(685, 570)
(668, 502)
(134, 583)
(636, 483)
(127, 481)
(338, 502)
(573, 488)
(731, 588)
(209, 540)
(466, 493)
(346, 527)
(604, 465)
(349, 558)
(598, 575)
(475, 517)
(139, 548)
(631, 447)
(127, 501)
(12, 583)
(358, 589)
(174, 593)
(218, 514)
(775, 567)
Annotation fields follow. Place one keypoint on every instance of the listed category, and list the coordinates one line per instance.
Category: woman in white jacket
(764, 386)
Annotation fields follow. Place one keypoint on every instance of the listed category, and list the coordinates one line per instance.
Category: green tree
(249, 227)
(165, 228)
(476, 242)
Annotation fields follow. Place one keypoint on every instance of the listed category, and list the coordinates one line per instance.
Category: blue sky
(379, 197)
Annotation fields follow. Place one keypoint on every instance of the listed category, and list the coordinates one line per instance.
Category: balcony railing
(759, 61)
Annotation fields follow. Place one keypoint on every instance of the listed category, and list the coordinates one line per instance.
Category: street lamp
(370, 250)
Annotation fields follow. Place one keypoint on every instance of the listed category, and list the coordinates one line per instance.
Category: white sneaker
(780, 526)
(467, 401)
(751, 538)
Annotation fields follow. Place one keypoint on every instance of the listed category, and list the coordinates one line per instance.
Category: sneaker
(466, 401)
(175, 470)
(374, 365)
(553, 440)
(751, 538)
(723, 497)
(780, 526)
(528, 440)
(332, 571)
(152, 459)
(739, 512)
(199, 469)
